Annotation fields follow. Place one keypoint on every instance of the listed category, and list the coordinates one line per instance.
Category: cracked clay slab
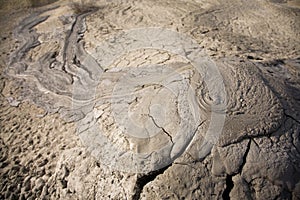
(148, 103)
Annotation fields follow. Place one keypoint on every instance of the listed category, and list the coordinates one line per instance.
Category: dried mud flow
(185, 99)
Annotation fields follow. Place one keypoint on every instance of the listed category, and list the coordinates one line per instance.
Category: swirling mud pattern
(141, 97)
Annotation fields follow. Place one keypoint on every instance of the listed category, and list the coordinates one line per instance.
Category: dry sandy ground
(44, 156)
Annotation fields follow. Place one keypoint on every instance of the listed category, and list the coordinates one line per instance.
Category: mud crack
(229, 181)
(145, 179)
(229, 187)
(244, 158)
(162, 128)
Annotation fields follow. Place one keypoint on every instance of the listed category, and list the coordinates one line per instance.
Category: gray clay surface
(182, 99)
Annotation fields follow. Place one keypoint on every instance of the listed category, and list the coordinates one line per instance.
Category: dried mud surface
(64, 67)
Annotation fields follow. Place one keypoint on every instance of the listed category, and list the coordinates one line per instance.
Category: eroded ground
(74, 74)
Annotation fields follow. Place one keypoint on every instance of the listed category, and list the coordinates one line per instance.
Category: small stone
(13, 102)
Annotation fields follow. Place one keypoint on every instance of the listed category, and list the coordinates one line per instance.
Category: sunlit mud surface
(150, 100)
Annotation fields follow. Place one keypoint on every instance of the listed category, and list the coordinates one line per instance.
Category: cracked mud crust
(73, 70)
